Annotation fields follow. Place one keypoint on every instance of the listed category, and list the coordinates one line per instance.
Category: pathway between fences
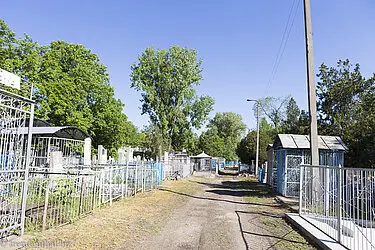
(204, 213)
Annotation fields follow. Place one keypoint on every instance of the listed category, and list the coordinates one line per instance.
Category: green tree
(303, 123)
(212, 144)
(273, 108)
(229, 127)
(19, 56)
(246, 149)
(71, 87)
(166, 80)
(346, 107)
(291, 123)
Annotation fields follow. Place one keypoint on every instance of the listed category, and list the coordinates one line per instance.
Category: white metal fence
(56, 199)
(176, 169)
(42, 148)
(341, 203)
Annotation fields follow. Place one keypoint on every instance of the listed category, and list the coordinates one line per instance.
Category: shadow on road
(269, 235)
(263, 216)
(215, 199)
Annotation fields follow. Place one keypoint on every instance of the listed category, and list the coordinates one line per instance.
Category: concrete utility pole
(258, 122)
(257, 156)
(311, 86)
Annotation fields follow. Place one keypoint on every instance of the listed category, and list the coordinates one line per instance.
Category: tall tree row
(71, 87)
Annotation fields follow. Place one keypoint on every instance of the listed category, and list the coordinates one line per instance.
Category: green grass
(272, 216)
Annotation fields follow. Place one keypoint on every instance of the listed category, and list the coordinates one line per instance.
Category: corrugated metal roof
(303, 142)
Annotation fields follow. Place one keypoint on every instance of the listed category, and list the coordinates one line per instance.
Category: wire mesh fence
(341, 203)
(55, 199)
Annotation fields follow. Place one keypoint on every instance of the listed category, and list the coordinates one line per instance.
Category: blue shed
(290, 151)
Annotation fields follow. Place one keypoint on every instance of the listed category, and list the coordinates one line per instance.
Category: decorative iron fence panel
(14, 157)
(292, 172)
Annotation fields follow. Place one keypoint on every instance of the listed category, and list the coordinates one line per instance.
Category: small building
(290, 151)
(201, 162)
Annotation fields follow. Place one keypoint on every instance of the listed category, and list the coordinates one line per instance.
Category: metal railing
(43, 148)
(174, 169)
(58, 198)
(340, 202)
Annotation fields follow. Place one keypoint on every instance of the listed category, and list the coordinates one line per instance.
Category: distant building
(201, 162)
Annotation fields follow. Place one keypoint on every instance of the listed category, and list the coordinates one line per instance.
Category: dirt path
(227, 214)
(196, 213)
(207, 221)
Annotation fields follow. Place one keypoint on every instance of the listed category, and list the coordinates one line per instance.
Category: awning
(67, 132)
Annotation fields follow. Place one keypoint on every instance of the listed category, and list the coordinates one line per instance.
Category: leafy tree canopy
(226, 129)
(166, 80)
(71, 87)
(346, 105)
(274, 108)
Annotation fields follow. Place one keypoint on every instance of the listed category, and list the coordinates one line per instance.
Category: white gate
(15, 112)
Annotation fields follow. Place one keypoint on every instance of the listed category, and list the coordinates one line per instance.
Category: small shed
(290, 151)
(202, 162)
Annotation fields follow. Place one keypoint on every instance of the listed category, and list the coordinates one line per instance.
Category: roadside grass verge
(124, 225)
(271, 216)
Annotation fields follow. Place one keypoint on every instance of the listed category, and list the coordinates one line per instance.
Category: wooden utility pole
(311, 86)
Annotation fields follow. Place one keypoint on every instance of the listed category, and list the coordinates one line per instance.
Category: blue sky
(237, 40)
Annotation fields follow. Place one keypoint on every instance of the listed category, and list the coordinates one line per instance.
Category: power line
(284, 40)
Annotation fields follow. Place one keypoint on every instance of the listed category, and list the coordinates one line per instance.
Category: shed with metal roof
(290, 151)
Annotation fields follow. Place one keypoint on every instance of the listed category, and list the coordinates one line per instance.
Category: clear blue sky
(237, 40)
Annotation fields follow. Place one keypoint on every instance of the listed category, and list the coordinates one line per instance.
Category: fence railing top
(338, 167)
(25, 99)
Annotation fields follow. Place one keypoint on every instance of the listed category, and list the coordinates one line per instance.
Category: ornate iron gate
(292, 175)
(16, 114)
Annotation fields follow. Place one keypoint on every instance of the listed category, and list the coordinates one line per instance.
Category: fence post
(141, 177)
(301, 173)
(126, 179)
(45, 210)
(326, 190)
(27, 163)
(101, 180)
(136, 179)
(122, 181)
(93, 192)
(80, 196)
(338, 203)
(152, 175)
(110, 185)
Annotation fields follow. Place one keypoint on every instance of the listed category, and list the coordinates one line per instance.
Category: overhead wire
(288, 27)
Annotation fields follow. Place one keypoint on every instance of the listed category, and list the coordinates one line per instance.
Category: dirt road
(196, 213)
(227, 214)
